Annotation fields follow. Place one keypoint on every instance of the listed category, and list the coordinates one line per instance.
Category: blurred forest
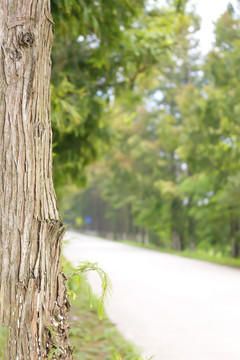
(146, 129)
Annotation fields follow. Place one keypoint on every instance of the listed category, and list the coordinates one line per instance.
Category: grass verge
(92, 338)
(197, 254)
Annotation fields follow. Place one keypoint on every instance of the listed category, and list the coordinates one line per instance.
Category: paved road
(172, 307)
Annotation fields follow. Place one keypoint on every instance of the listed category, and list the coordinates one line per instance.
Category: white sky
(210, 10)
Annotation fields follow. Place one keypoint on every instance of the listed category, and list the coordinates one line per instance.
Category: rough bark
(33, 303)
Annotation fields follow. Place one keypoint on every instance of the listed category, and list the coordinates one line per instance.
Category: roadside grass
(95, 339)
(197, 254)
(92, 338)
(3, 341)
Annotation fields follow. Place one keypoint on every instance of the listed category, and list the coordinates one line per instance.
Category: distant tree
(142, 167)
(174, 161)
(210, 140)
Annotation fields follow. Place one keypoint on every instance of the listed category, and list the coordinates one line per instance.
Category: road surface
(171, 307)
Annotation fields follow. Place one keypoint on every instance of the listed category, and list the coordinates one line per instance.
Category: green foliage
(56, 350)
(80, 273)
(119, 357)
(101, 51)
(91, 337)
(171, 175)
(101, 17)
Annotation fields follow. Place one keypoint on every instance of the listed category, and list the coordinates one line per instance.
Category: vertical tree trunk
(234, 240)
(33, 303)
(176, 240)
(191, 235)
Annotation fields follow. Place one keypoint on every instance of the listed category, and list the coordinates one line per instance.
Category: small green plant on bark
(56, 350)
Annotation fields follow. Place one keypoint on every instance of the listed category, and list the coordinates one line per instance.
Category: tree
(143, 169)
(92, 65)
(89, 54)
(33, 303)
(174, 163)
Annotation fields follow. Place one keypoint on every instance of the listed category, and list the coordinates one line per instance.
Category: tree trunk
(176, 241)
(192, 244)
(33, 303)
(234, 242)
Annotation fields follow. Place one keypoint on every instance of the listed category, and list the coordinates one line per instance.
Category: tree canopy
(172, 170)
(101, 50)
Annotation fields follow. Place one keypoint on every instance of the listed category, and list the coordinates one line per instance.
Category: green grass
(3, 341)
(197, 254)
(92, 338)
(95, 339)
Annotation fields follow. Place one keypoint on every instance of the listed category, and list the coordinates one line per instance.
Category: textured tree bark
(33, 303)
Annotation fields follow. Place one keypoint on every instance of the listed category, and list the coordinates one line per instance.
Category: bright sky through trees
(210, 10)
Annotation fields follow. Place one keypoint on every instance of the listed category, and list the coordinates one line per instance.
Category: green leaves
(173, 168)
(80, 17)
(56, 349)
(80, 273)
(103, 50)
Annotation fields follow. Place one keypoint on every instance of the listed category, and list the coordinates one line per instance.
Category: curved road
(171, 307)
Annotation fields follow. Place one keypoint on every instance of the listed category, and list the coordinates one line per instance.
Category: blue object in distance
(88, 219)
